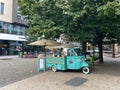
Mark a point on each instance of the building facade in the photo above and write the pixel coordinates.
(12, 28)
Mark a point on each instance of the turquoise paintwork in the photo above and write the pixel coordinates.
(74, 61)
(59, 62)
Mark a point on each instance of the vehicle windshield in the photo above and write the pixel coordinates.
(74, 52)
(78, 51)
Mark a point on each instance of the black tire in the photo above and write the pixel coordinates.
(54, 69)
(86, 70)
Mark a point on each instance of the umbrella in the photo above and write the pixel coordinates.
(44, 42)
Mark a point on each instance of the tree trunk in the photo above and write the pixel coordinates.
(84, 48)
(100, 52)
(113, 50)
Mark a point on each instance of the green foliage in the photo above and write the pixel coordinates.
(44, 17)
(93, 20)
(110, 16)
(79, 20)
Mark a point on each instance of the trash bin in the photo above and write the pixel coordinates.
(92, 59)
(21, 54)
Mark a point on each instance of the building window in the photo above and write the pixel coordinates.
(18, 16)
(1, 8)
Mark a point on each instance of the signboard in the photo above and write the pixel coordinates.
(41, 63)
(12, 37)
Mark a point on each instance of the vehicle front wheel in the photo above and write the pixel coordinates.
(86, 70)
(54, 69)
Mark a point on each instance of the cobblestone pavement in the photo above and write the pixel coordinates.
(104, 76)
(13, 69)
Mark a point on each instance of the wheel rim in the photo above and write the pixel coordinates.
(54, 69)
(85, 70)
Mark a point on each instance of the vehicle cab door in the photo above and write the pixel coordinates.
(70, 59)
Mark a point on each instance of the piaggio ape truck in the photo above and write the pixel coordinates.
(73, 60)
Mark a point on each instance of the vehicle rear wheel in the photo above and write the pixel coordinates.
(85, 70)
(54, 69)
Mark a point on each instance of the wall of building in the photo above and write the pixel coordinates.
(8, 9)
(12, 28)
(10, 12)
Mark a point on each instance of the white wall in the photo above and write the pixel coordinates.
(8, 6)
(12, 37)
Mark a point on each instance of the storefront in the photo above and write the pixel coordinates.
(9, 42)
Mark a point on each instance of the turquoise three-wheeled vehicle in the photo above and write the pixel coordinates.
(73, 59)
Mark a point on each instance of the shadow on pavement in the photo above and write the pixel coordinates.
(77, 81)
